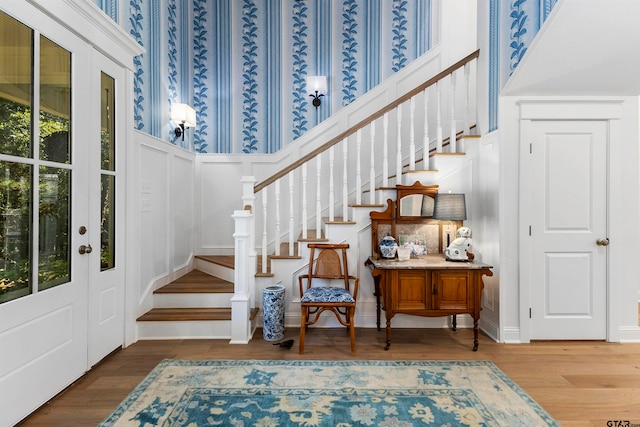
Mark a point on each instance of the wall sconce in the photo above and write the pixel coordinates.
(450, 207)
(316, 85)
(185, 116)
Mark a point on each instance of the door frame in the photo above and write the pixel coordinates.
(610, 111)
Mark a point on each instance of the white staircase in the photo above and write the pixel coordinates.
(293, 202)
(186, 309)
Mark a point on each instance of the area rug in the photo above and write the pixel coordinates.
(320, 393)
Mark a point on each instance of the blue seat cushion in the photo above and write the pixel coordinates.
(327, 294)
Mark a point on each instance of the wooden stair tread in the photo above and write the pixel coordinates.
(312, 236)
(336, 220)
(447, 154)
(284, 252)
(367, 205)
(223, 260)
(418, 171)
(185, 314)
(196, 281)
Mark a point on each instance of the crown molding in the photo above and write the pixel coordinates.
(90, 23)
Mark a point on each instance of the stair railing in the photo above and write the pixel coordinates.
(427, 106)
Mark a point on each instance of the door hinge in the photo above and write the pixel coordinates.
(530, 148)
(529, 230)
(529, 312)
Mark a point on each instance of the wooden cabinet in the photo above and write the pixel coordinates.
(431, 290)
(451, 290)
(428, 286)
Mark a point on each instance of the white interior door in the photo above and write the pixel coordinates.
(567, 265)
(43, 202)
(106, 210)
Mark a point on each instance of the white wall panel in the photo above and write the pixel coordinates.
(220, 194)
(182, 209)
(154, 215)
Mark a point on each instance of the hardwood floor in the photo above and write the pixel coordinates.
(580, 383)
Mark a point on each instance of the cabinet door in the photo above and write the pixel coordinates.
(412, 290)
(453, 290)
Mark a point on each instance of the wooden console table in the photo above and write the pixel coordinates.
(425, 285)
(428, 286)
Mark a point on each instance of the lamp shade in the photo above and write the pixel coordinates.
(450, 206)
(316, 84)
(183, 113)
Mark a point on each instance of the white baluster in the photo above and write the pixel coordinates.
(345, 189)
(399, 145)
(425, 140)
(438, 119)
(264, 231)
(452, 137)
(385, 150)
(467, 111)
(318, 198)
(412, 140)
(372, 169)
(331, 186)
(277, 241)
(358, 175)
(291, 226)
(304, 200)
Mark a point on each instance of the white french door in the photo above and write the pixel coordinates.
(61, 201)
(106, 210)
(43, 153)
(566, 188)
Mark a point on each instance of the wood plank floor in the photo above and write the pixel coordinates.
(580, 383)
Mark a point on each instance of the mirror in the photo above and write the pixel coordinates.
(415, 202)
(416, 205)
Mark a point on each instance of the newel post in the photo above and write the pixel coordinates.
(244, 266)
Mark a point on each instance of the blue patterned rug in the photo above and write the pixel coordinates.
(318, 393)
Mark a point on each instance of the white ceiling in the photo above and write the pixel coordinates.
(586, 47)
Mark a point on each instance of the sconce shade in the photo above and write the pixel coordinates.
(450, 206)
(183, 114)
(316, 84)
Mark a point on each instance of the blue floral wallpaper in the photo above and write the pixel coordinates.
(242, 64)
(246, 62)
(513, 26)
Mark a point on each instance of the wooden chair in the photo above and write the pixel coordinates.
(329, 267)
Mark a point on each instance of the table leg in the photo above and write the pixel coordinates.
(376, 281)
(388, 334)
(475, 334)
(454, 322)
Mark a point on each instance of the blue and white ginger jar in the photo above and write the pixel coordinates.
(388, 247)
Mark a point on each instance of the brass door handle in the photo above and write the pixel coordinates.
(602, 242)
(85, 249)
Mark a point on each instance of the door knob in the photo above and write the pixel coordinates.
(602, 242)
(85, 249)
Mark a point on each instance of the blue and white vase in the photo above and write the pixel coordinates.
(273, 313)
(388, 247)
